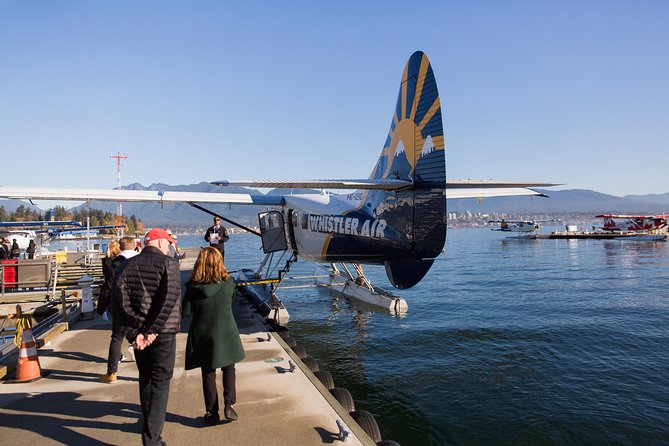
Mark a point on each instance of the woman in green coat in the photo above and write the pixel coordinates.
(213, 337)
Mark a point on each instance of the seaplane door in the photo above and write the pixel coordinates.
(272, 231)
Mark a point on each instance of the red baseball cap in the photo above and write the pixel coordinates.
(156, 234)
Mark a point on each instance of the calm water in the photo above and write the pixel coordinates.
(506, 342)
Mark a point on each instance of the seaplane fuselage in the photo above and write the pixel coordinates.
(319, 221)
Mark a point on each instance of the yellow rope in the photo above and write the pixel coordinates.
(22, 323)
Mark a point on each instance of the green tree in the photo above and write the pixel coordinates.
(60, 213)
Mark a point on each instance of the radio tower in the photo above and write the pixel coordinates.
(119, 205)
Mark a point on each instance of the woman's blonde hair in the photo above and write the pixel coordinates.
(209, 267)
(113, 248)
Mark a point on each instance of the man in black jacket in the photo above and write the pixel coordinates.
(217, 235)
(146, 299)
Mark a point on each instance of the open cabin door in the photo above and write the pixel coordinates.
(272, 231)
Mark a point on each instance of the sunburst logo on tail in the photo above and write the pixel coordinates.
(416, 128)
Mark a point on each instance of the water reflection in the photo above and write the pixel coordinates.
(627, 253)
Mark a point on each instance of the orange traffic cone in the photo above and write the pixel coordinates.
(27, 368)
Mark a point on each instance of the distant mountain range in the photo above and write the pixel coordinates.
(562, 201)
(651, 198)
(567, 201)
(11, 205)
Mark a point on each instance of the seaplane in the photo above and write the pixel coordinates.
(526, 229)
(43, 230)
(396, 217)
(645, 223)
(636, 227)
(24, 231)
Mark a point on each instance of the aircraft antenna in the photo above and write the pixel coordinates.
(119, 205)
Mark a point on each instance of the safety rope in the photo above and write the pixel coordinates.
(22, 322)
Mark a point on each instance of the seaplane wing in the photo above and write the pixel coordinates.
(491, 188)
(367, 184)
(527, 222)
(397, 217)
(39, 223)
(56, 231)
(149, 196)
(454, 189)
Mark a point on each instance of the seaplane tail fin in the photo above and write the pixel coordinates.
(414, 152)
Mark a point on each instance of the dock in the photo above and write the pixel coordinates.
(276, 406)
(630, 235)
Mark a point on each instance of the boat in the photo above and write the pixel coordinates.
(82, 234)
(22, 237)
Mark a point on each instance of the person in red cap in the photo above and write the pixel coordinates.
(146, 299)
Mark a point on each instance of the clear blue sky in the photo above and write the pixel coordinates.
(571, 91)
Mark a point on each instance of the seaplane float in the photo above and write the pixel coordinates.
(396, 217)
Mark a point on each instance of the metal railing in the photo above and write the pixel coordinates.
(28, 274)
(7, 347)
